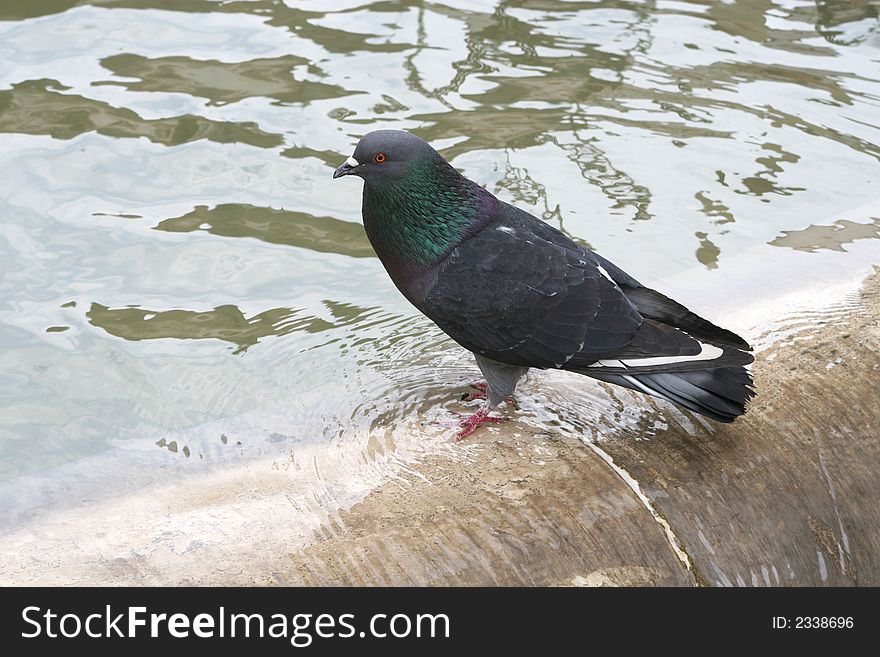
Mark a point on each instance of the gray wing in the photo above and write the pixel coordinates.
(517, 293)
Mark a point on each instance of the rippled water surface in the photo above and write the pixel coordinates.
(183, 285)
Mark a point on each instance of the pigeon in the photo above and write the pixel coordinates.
(520, 294)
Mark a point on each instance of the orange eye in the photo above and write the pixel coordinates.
(379, 158)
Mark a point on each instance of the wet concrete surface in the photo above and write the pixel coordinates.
(527, 509)
(786, 495)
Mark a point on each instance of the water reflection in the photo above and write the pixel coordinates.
(322, 234)
(41, 107)
(707, 252)
(220, 82)
(847, 22)
(595, 167)
(831, 237)
(226, 323)
(13, 11)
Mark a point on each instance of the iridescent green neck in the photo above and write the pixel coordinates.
(415, 220)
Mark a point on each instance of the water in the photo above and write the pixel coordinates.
(183, 288)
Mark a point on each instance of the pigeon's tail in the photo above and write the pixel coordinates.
(703, 369)
(720, 393)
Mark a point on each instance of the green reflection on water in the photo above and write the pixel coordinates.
(225, 323)
(831, 237)
(38, 107)
(220, 82)
(12, 10)
(847, 22)
(486, 127)
(707, 253)
(330, 158)
(323, 234)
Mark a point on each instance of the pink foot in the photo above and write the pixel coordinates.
(480, 393)
(471, 396)
(470, 423)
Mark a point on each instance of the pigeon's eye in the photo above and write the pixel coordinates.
(379, 158)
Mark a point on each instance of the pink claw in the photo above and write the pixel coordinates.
(470, 423)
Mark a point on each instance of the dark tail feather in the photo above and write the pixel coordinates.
(720, 393)
(661, 308)
(657, 306)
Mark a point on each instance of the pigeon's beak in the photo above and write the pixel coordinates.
(347, 167)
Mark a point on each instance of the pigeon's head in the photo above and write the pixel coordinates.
(386, 155)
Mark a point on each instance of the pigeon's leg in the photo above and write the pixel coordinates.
(501, 380)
